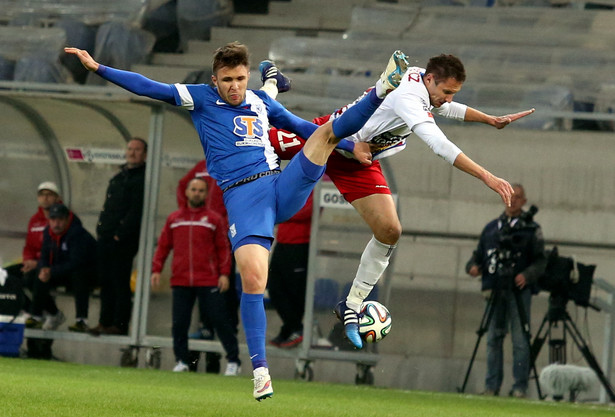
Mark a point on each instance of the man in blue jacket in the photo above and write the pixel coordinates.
(67, 258)
(510, 258)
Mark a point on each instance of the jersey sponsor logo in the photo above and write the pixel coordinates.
(386, 140)
(250, 128)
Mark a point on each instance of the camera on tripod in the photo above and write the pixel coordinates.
(513, 238)
(566, 279)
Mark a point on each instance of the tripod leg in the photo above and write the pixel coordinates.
(589, 357)
(484, 326)
(539, 340)
(525, 325)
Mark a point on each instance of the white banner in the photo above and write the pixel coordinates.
(330, 197)
(117, 157)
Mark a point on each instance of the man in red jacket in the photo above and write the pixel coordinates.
(200, 270)
(48, 194)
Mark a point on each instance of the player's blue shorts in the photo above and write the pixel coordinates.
(256, 207)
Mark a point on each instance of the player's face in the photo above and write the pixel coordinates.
(196, 193)
(232, 83)
(135, 153)
(46, 198)
(58, 225)
(441, 92)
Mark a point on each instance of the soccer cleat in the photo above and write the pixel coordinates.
(262, 384)
(277, 341)
(80, 326)
(397, 66)
(269, 71)
(53, 322)
(33, 323)
(292, 341)
(350, 318)
(181, 367)
(232, 369)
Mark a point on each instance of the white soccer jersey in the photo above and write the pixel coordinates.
(402, 110)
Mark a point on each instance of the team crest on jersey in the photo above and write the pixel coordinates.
(250, 128)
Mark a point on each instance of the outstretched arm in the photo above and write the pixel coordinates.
(131, 81)
(499, 122)
(499, 185)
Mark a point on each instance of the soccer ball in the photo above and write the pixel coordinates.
(374, 321)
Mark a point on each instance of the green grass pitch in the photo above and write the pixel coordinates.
(49, 388)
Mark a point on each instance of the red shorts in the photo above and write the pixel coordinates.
(355, 180)
(351, 178)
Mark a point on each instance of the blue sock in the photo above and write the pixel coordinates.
(355, 117)
(312, 170)
(254, 325)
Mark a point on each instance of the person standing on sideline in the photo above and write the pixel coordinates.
(200, 271)
(232, 124)
(118, 230)
(288, 275)
(528, 262)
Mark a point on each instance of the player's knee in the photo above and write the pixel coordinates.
(327, 132)
(389, 234)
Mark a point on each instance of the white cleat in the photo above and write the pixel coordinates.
(232, 369)
(181, 367)
(262, 384)
(397, 66)
(53, 322)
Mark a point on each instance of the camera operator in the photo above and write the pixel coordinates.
(510, 257)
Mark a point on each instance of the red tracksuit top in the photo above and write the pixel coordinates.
(34, 238)
(201, 250)
(297, 229)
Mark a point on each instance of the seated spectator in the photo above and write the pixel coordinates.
(68, 256)
(47, 195)
(200, 270)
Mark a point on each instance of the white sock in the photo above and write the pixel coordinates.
(380, 90)
(374, 261)
(271, 88)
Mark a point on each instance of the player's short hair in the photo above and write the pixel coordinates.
(230, 55)
(446, 66)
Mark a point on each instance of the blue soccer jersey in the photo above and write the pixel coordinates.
(235, 138)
